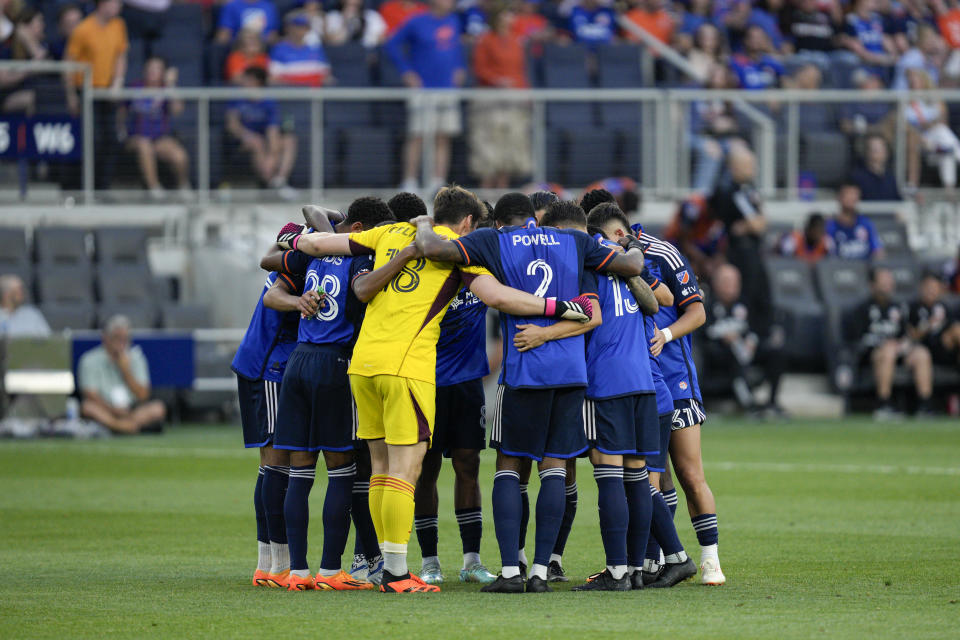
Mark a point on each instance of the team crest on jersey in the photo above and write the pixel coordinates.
(683, 278)
(683, 385)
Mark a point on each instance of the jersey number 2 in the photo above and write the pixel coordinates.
(541, 265)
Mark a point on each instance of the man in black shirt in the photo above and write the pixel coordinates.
(875, 177)
(732, 345)
(812, 32)
(933, 324)
(878, 329)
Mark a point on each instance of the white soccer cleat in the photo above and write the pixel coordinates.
(710, 573)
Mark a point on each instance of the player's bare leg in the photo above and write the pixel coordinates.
(921, 364)
(884, 360)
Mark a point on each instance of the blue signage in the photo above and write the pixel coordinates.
(40, 138)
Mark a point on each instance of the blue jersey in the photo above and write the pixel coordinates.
(258, 15)
(593, 27)
(548, 263)
(339, 319)
(270, 338)
(664, 397)
(857, 242)
(757, 74)
(617, 350)
(256, 115)
(673, 270)
(462, 347)
(868, 31)
(430, 46)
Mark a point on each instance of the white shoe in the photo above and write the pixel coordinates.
(710, 573)
(286, 192)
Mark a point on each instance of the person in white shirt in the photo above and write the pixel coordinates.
(18, 319)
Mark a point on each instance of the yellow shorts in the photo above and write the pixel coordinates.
(399, 410)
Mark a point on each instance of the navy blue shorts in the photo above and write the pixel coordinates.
(461, 420)
(538, 423)
(316, 407)
(687, 413)
(627, 425)
(258, 410)
(659, 461)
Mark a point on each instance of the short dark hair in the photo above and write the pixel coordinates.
(514, 208)
(814, 219)
(257, 73)
(930, 273)
(542, 199)
(592, 198)
(489, 208)
(847, 183)
(604, 212)
(452, 204)
(406, 206)
(564, 211)
(369, 212)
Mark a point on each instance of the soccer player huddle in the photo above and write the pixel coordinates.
(368, 344)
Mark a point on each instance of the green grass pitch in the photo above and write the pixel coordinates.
(840, 529)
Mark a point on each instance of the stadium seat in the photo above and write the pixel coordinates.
(184, 316)
(299, 115)
(816, 117)
(61, 246)
(14, 243)
(906, 273)
(370, 158)
(349, 64)
(893, 234)
(187, 19)
(65, 284)
(389, 114)
(120, 245)
(826, 155)
(619, 66)
(588, 156)
(140, 316)
(164, 288)
(797, 306)
(565, 67)
(136, 56)
(124, 284)
(842, 284)
(183, 51)
(75, 316)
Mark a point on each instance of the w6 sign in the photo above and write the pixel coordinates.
(40, 138)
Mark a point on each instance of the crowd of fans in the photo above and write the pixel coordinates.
(802, 44)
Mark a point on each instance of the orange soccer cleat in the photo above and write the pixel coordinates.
(278, 580)
(411, 584)
(342, 581)
(296, 583)
(260, 578)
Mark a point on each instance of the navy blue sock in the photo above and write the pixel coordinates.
(262, 535)
(636, 485)
(274, 491)
(471, 528)
(612, 505)
(428, 534)
(706, 527)
(336, 514)
(296, 512)
(365, 542)
(506, 515)
(550, 508)
(524, 514)
(569, 513)
(670, 497)
(663, 528)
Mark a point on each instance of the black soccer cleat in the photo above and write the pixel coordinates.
(636, 580)
(605, 581)
(504, 585)
(649, 577)
(555, 573)
(536, 584)
(674, 574)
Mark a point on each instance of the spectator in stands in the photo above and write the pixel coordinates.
(707, 51)
(714, 131)
(948, 21)
(529, 24)
(146, 19)
(255, 124)
(689, 20)
(426, 51)
(809, 244)
(114, 381)
(592, 24)
(867, 118)
(100, 40)
(756, 67)
(248, 51)
(258, 15)
(864, 36)
(875, 176)
(732, 344)
(928, 55)
(313, 9)
(737, 204)
(933, 324)
(351, 22)
(476, 18)
(811, 31)
(292, 60)
(652, 16)
(877, 331)
(17, 91)
(68, 17)
(17, 318)
(500, 132)
(808, 78)
(930, 134)
(395, 13)
(735, 17)
(148, 133)
(854, 236)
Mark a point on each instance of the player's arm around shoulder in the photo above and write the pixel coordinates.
(432, 245)
(281, 296)
(531, 336)
(367, 285)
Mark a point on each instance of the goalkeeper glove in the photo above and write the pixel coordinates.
(630, 242)
(287, 238)
(579, 309)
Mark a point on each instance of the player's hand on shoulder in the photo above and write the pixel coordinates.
(412, 251)
(630, 242)
(528, 336)
(422, 220)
